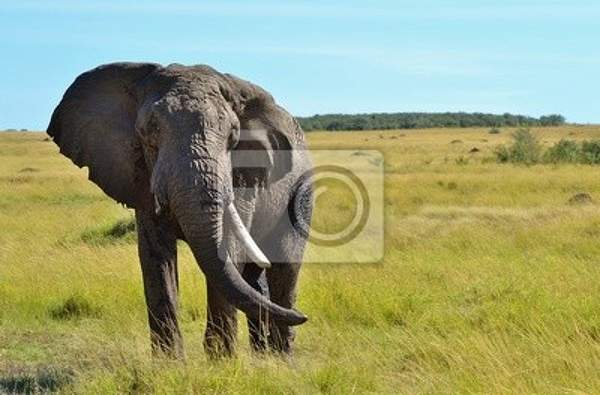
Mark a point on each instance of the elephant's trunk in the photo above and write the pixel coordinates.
(201, 220)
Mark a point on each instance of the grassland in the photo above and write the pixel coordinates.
(490, 282)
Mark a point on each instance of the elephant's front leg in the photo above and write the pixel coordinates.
(158, 254)
(221, 326)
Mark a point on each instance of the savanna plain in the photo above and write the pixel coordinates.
(490, 281)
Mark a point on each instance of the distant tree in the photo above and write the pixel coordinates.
(552, 120)
(423, 120)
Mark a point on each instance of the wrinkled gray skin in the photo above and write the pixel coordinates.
(161, 140)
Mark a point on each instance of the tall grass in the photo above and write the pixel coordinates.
(490, 282)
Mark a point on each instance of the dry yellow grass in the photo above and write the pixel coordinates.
(490, 282)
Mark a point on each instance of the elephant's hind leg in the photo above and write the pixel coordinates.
(157, 249)
(286, 249)
(282, 279)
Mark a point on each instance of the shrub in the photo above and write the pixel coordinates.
(41, 380)
(525, 149)
(565, 151)
(590, 152)
(122, 231)
(494, 131)
(74, 307)
(502, 154)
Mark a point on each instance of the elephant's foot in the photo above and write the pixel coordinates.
(259, 334)
(168, 345)
(219, 344)
(281, 339)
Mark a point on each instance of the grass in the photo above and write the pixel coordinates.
(490, 281)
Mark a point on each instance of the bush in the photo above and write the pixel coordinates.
(525, 149)
(565, 151)
(590, 152)
(494, 131)
(74, 307)
(502, 154)
(122, 231)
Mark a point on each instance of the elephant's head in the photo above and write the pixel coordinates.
(163, 138)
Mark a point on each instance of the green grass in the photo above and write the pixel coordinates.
(490, 281)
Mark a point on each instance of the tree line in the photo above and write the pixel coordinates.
(422, 120)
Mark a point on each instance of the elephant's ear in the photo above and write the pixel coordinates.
(262, 156)
(265, 128)
(94, 125)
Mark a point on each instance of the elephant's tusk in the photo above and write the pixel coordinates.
(252, 250)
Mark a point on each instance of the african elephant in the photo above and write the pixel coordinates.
(173, 143)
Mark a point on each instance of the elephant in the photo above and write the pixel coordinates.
(210, 159)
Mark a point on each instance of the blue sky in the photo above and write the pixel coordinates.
(530, 57)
